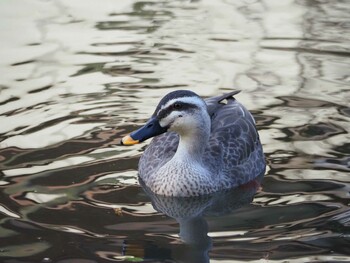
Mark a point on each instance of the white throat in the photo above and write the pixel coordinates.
(193, 141)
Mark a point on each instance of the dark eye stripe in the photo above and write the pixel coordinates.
(163, 113)
(175, 95)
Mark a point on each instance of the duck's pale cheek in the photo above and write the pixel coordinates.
(169, 120)
(163, 123)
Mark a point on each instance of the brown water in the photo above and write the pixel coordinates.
(78, 75)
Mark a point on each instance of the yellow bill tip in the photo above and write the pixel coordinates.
(127, 140)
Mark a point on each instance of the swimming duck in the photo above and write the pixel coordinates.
(199, 146)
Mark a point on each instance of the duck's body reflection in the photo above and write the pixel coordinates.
(190, 213)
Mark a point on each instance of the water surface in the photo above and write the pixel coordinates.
(78, 75)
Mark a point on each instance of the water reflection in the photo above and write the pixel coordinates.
(190, 213)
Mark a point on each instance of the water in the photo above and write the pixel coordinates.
(78, 75)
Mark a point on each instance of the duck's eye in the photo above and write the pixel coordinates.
(177, 106)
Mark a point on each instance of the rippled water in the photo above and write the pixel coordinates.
(78, 75)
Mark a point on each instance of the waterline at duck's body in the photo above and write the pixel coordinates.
(210, 146)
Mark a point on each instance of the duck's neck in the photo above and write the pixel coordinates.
(193, 143)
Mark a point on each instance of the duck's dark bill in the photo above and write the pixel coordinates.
(150, 129)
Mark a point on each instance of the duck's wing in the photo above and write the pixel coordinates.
(234, 140)
(161, 149)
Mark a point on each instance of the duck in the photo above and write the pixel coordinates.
(199, 146)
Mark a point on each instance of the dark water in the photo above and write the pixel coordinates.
(78, 75)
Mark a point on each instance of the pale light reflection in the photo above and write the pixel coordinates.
(301, 174)
(7, 212)
(292, 199)
(51, 135)
(70, 229)
(42, 198)
(145, 209)
(127, 177)
(227, 233)
(124, 177)
(297, 260)
(51, 166)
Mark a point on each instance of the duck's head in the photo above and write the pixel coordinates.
(182, 111)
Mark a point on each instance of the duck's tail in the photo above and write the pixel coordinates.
(214, 103)
(227, 96)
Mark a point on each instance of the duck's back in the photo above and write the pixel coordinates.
(234, 142)
(234, 151)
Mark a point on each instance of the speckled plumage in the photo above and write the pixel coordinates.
(232, 156)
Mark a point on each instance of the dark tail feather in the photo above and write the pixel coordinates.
(227, 96)
(214, 103)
